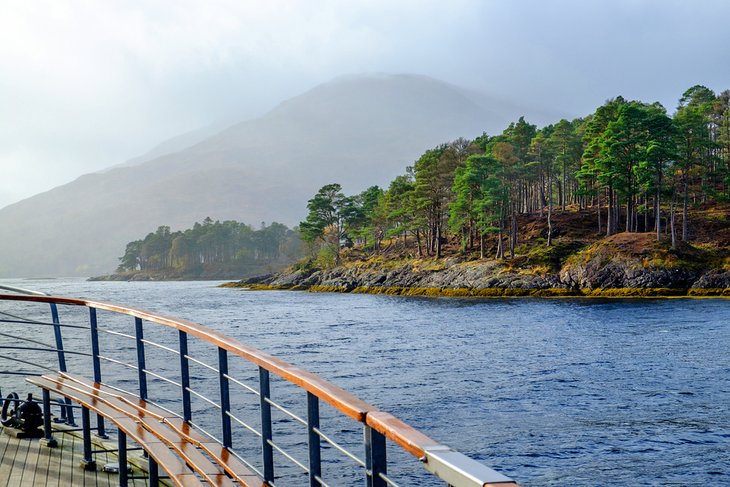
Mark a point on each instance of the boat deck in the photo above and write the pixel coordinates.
(150, 384)
(26, 463)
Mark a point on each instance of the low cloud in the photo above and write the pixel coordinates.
(89, 84)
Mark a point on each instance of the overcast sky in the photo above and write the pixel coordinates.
(85, 85)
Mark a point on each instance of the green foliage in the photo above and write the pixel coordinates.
(228, 244)
(553, 257)
(326, 209)
(396, 209)
(335, 219)
(628, 161)
(306, 265)
(470, 183)
(326, 258)
(366, 221)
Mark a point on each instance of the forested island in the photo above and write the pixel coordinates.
(208, 250)
(625, 201)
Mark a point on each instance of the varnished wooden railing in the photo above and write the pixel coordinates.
(451, 466)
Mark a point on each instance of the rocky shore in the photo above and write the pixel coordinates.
(613, 267)
(206, 274)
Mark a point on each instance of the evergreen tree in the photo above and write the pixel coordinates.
(695, 144)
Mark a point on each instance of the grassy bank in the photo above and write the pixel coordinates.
(500, 292)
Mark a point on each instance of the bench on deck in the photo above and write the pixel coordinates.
(186, 456)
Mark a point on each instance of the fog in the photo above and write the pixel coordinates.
(88, 85)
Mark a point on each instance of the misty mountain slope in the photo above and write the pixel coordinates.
(172, 145)
(357, 131)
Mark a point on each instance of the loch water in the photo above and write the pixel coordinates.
(580, 392)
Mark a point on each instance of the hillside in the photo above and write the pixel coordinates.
(580, 262)
(541, 201)
(352, 130)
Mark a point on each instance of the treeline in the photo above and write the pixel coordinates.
(228, 244)
(638, 168)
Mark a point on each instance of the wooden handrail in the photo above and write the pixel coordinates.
(337, 397)
(411, 440)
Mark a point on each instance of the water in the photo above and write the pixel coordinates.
(549, 392)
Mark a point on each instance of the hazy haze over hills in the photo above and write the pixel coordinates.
(88, 85)
(355, 130)
(175, 144)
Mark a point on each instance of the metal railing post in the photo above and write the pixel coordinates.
(61, 354)
(225, 397)
(448, 465)
(48, 439)
(87, 462)
(154, 471)
(58, 337)
(266, 433)
(96, 361)
(185, 376)
(375, 459)
(315, 461)
(141, 365)
(122, 455)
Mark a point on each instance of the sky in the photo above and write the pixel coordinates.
(85, 85)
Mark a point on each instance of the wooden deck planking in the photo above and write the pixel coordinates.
(25, 463)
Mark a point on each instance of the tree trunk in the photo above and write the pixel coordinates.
(685, 204)
(550, 211)
(471, 234)
(513, 239)
(500, 250)
(432, 239)
(560, 192)
(672, 222)
(500, 246)
(598, 205)
(565, 184)
(610, 215)
(657, 216)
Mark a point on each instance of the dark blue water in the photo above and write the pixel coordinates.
(549, 392)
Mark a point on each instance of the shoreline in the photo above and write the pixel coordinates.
(662, 293)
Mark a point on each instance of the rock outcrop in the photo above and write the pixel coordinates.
(714, 279)
(624, 264)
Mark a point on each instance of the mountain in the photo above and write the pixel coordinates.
(355, 130)
(172, 145)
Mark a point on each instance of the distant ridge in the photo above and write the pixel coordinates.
(355, 130)
(172, 145)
